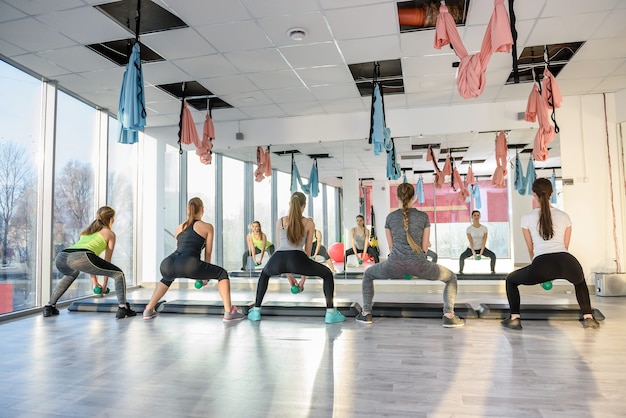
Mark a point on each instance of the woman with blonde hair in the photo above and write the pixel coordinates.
(191, 237)
(405, 228)
(293, 232)
(257, 243)
(547, 233)
(84, 256)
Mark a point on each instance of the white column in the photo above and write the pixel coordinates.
(350, 202)
(381, 200)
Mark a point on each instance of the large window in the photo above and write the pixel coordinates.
(234, 232)
(121, 196)
(201, 183)
(20, 115)
(75, 194)
(263, 205)
(283, 193)
(172, 215)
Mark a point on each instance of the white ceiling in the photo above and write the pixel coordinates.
(240, 51)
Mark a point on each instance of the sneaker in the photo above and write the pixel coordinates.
(149, 313)
(125, 311)
(588, 323)
(364, 318)
(454, 322)
(254, 314)
(334, 316)
(50, 310)
(233, 315)
(512, 323)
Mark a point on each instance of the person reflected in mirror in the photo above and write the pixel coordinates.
(360, 239)
(547, 232)
(405, 228)
(191, 237)
(294, 238)
(477, 238)
(84, 256)
(317, 250)
(258, 245)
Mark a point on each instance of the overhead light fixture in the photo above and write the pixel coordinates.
(297, 34)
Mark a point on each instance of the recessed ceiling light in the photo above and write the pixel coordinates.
(297, 34)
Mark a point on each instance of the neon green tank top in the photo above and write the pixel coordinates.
(258, 243)
(94, 242)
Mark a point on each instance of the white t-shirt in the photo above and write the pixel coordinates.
(560, 222)
(477, 234)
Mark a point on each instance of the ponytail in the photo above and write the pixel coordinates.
(103, 220)
(295, 229)
(194, 207)
(405, 194)
(543, 189)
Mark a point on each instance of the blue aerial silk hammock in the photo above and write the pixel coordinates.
(394, 171)
(419, 191)
(131, 113)
(475, 190)
(377, 137)
(312, 187)
(530, 176)
(520, 181)
(553, 181)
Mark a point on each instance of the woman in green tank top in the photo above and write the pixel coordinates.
(84, 257)
(257, 244)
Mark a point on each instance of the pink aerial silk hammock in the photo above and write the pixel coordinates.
(471, 78)
(499, 175)
(204, 147)
(263, 163)
(439, 176)
(189, 134)
(536, 109)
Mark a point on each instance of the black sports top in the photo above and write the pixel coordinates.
(189, 242)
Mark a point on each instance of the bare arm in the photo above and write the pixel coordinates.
(309, 230)
(568, 235)
(278, 225)
(352, 232)
(529, 242)
(208, 248)
(263, 245)
(389, 238)
(110, 237)
(426, 239)
(318, 236)
(471, 243)
(367, 242)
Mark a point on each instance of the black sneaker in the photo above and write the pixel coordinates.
(454, 322)
(590, 323)
(50, 310)
(512, 323)
(366, 319)
(125, 311)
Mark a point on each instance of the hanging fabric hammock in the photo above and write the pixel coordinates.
(187, 133)
(312, 187)
(204, 147)
(131, 113)
(380, 135)
(476, 196)
(499, 175)
(551, 94)
(536, 110)
(263, 164)
(419, 191)
(394, 171)
(471, 78)
(440, 178)
(469, 179)
(520, 181)
(530, 176)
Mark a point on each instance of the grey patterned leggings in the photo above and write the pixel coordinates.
(396, 268)
(72, 262)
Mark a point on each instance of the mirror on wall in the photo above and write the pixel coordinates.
(449, 214)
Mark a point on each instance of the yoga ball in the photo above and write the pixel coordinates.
(336, 252)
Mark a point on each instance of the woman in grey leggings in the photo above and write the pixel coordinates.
(404, 228)
(84, 257)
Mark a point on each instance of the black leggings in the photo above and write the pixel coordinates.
(244, 259)
(548, 267)
(189, 267)
(295, 261)
(370, 250)
(468, 253)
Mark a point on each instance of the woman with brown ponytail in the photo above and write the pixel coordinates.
(84, 256)
(293, 232)
(191, 237)
(547, 233)
(405, 228)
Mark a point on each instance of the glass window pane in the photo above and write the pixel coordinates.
(283, 193)
(76, 162)
(234, 224)
(20, 121)
(332, 215)
(172, 197)
(201, 183)
(263, 205)
(122, 196)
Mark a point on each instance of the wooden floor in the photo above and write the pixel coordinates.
(91, 365)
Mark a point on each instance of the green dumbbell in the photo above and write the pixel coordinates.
(546, 285)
